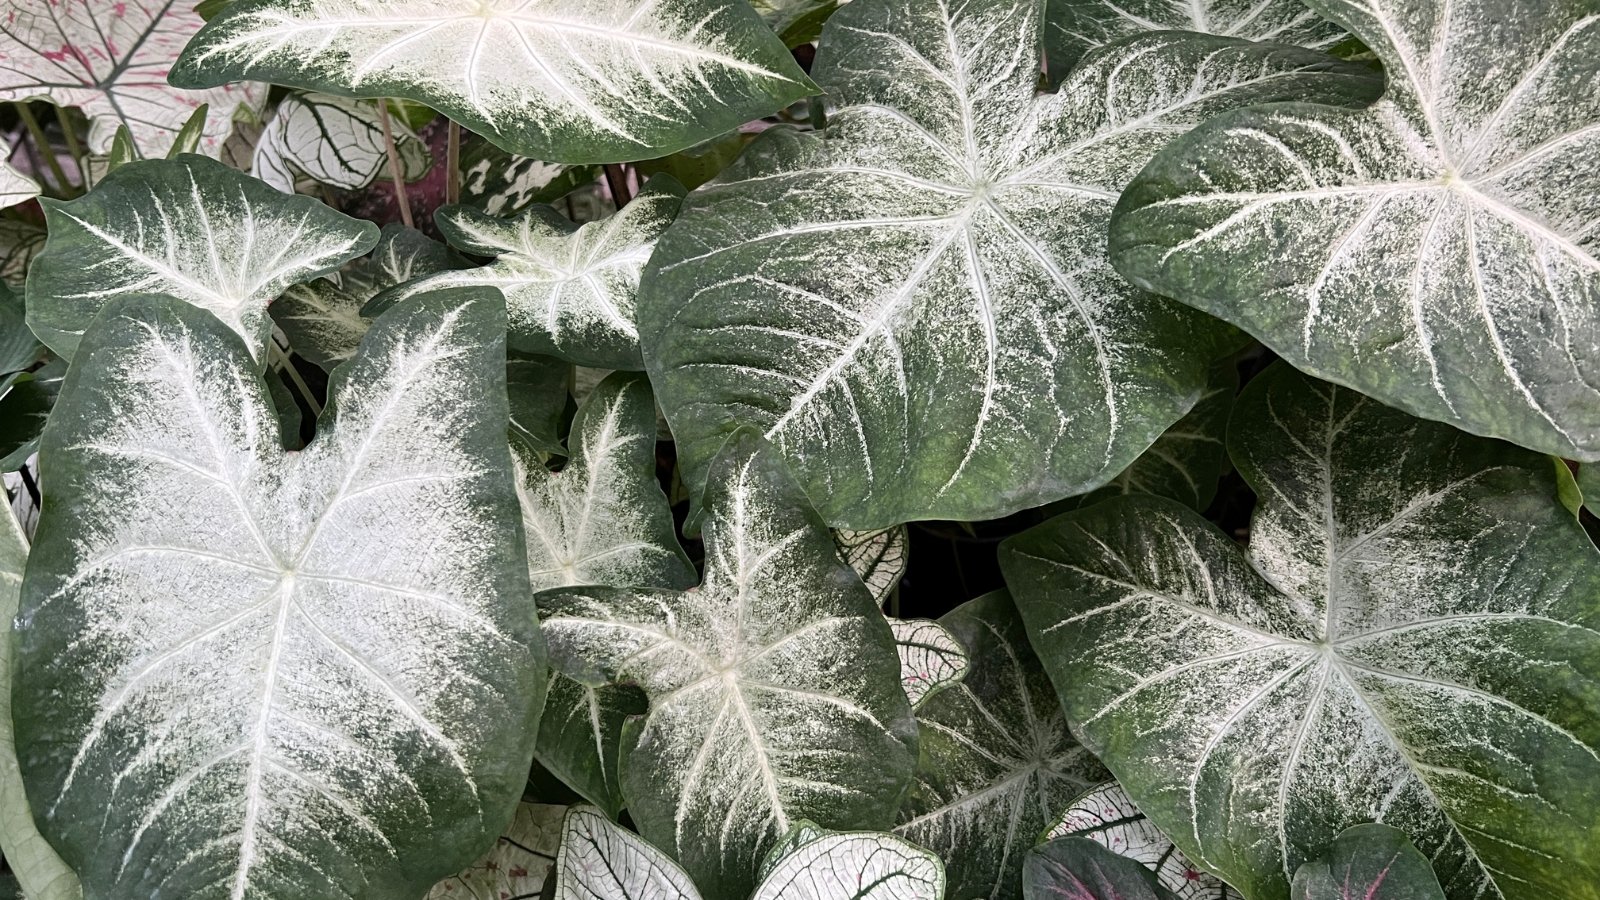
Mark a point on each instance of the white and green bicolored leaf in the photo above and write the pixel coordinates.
(1412, 638)
(601, 860)
(880, 557)
(571, 291)
(245, 673)
(502, 184)
(15, 187)
(332, 140)
(997, 762)
(191, 228)
(931, 659)
(774, 687)
(1106, 815)
(1370, 862)
(917, 306)
(518, 864)
(577, 81)
(1439, 251)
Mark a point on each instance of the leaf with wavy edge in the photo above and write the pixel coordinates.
(997, 762)
(879, 557)
(917, 307)
(1080, 869)
(1440, 251)
(244, 673)
(931, 659)
(15, 187)
(774, 686)
(518, 864)
(332, 140)
(1368, 862)
(1109, 817)
(190, 227)
(581, 81)
(110, 58)
(1413, 638)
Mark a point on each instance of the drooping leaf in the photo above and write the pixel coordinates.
(997, 763)
(917, 307)
(1080, 869)
(501, 184)
(570, 290)
(796, 21)
(190, 227)
(1413, 638)
(1368, 862)
(581, 81)
(931, 659)
(519, 863)
(336, 141)
(600, 860)
(860, 865)
(244, 673)
(15, 187)
(1107, 815)
(880, 557)
(774, 687)
(110, 58)
(1437, 251)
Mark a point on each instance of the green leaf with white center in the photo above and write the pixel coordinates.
(1372, 862)
(571, 291)
(861, 865)
(404, 254)
(500, 184)
(917, 307)
(600, 860)
(243, 673)
(110, 58)
(580, 737)
(774, 687)
(880, 557)
(931, 659)
(15, 187)
(191, 228)
(579, 81)
(1108, 816)
(1413, 638)
(332, 140)
(518, 864)
(1439, 251)
(997, 762)
(1080, 869)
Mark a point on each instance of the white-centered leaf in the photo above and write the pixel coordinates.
(861, 865)
(917, 306)
(332, 140)
(600, 860)
(582, 81)
(518, 864)
(997, 763)
(1108, 816)
(774, 686)
(243, 673)
(1439, 251)
(15, 187)
(1072, 28)
(1413, 638)
(880, 557)
(931, 659)
(191, 228)
(571, 291)
(110, 58)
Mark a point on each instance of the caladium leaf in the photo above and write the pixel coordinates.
(854, 866)
(1437, 251)
(931, 659)
(190, 227)
(26, 399)
(519, 863)
(879, 557)
(580, 737)
(774, 687)
(600, 860)
(405, 253)
(1368, 862)
(20, 242)
(1080, 869)
(997, 763)
(15, 187)
(537, 388)
(244, 673)
(498, 183)
(332, 140)
(1108, 816)
(917, 307)
(796, 21)
(581, 81)
(1072, 28)
(110, 59)
(571, 290)
(18, 347)
(1413, 638)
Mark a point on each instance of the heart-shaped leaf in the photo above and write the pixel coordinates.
(332, 140)
(1108, 816)
(519, 863)
(15, 187)
(878, 557)
(1080, 869)
(860, 865)
(917, 307)
(1438, 251)
(581, 81)
(1368, 862)
(600, 860)
(189, 227)
(244, 673)
(1414, 638)
(997, 763)
(1072, 28)
(931, 659)
(774, 687)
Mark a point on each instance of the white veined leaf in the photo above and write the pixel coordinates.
(110, 59)
(1108, 816)
(580, 81)
(800, 833)
(191, 228)
(1413, 638)
(880, 557)
(1080, 869)
(600, 860)
(245, 673)
(774, 686)
(518, 864)
(571, 290)
(503, 184)
(335, 141)
(580, 737)
(931, 659)
(917, 306)
(1439, 251)
(15, 187)
(861, 865)
(997, 761)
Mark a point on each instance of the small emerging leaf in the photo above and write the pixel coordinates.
(188, 137)
(1108, 816)
(931, 659)
(880, 557)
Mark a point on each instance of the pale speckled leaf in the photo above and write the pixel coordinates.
(243, 673)
(1080, 869)
(880, 557)
(571, 290)
(855, 866)
(580, 737)
(110, 58)
(583, 81)
(1108, 816)
(600, 860)
(15, 187)
(774, 686)
(503, 184)
(917, 307)
(1413, 638)
(997, 763)
(332, 140)
(1440, 251)
(931, 659)
(189, 227)
(518, 864)
(1368, 862)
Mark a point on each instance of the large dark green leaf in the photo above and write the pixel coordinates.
(1368, 862)
(1079, 869)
